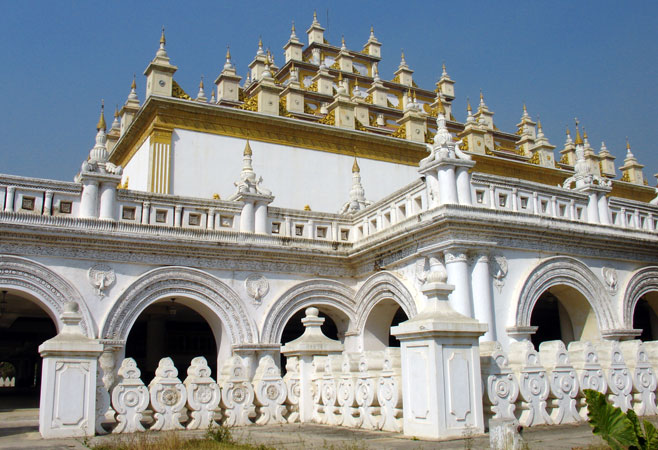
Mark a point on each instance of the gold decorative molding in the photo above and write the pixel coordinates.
(178, 92)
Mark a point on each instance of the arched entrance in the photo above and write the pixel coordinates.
(170, 328)
(645, 316)
(377, 331)
(24, 325)
(563, 313)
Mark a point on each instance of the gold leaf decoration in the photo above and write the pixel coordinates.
(401, 132)
(534, 159)
(178, 92)
(329, 119)
(250, 104)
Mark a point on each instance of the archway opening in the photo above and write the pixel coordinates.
(334, 327)
(385, 314)
(645, 317)
(24, 325)
(563, 313)
(172, 328)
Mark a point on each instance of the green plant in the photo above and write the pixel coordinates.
(619, 430)
(220, 433)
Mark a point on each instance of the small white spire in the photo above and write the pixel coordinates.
(133, 90)
(99, 154)
(116, 124)
(260, 50)
(342, 44)
(315, 18)
(201, 96)
(375, 69)
(357, 200)
(629, 154)
(444, 73)
(213, 100)
(293, 35)
(228, 65)
(163, 41)
(403, 62)
(372, 34)
(569, 141)
(469, 112)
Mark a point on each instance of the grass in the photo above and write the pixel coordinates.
(216, 438)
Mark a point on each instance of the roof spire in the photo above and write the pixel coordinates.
(372, 32)
(628, 148)
(579, 140)
(201, 96)
(116, 124)
(444, 72)
(247, 149)
(133, 90)
(342, 43)
(315, 18)
(355, 166)
(228, 65)
(293, 34)
(163, 41)
(101, 121)
(260, 46)
(403, 62)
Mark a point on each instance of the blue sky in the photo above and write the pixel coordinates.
(595, 60)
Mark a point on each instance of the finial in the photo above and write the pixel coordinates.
(628, 144)
(315, 18)
(247, 149)
(342, 43)
(584, 134)
(260, 46)
(116, 111)
(444, 72)
(525, 110)
(403, 62)
(101, 121)
(468, 106)
(163, 40)
(568, 132)
(372, 32)
(116, 124)
(228, 53)
(579, 140)
(481, 97)
(201, 83)
(355, 166)
(133, 85)
(133, 90)
(539, 124)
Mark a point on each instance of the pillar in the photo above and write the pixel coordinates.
(441, 384)
(482, 296)
(178, 216)
(311, 343)
(604, 212)
(447, 185)
(457, 268)
(593, 208)
(9, 202)
(247, 218)
(464, 186)
(68, 380)
(146, 213)
(260, 216)
(108, 193)
(89, 200)
(432, 182)
(210, 224)
(48, 203)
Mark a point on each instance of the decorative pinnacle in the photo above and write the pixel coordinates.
(342, 43)
(247, 149)
(201, 83)
(355, 166)
(260, 46)
(444, 72)
(315, 17)
(568, 132)
(163, 40)
(101, 121)
(133, 85)
(579, 140)
(372, 32)
(628, 144)
(468, 106)
(116, 111)
(525, 110)
(228, 53)
(403, 62)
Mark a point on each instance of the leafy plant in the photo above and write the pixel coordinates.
(619, 430)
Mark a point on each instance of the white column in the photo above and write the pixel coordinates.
(457, 268)
(515, 199)
(210, 224)
(261, 218)
(482, 296)
(464, 186)
(447, 185)
(108, 200)
(604, 212)
(593, 208)
(535, 203)
(432, 187)
(247, 218)
(492, 197)
(146, 213)
(89, 200)
(178, 216)
(48, 204)
(9, 202)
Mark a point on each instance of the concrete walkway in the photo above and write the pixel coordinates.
(19, 429)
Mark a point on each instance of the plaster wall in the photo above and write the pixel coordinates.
(137, 169)
(204, 164)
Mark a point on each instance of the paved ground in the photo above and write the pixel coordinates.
(19, 430)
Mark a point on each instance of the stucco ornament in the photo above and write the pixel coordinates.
(101, 276)
(168, 397)
(270, 392)
(498, 269)
(257, 286)
(237, 394)
(610, 278)
(203, 394)
(130, 398)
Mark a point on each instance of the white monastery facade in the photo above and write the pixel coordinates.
(319, 198)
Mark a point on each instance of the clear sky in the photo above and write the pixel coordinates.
(595, 60)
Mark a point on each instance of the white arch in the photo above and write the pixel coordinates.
(563, 270)
(50, 290)
(643, 281)
(315, 292)
(381, 286)
(212, 294)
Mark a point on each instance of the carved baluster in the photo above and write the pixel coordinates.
(203, 394)
(130, 398)
(291, 379)
(620, 381)
(346, 391)
(533, 384)
(370, 363)
(585, 361)
(563, 381)
(168, 397)
(237, 394)
(502, 389)
(389, 391)
(316, 387)
(644, 378)
(270, 392)
(328, 390)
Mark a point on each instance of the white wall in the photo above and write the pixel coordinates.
(204, 164)
(137, 169)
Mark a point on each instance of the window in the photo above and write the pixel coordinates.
(502, 200)
(194, 220)
(160, 215)
(563, 210)
(28, 203)
(321, 232)
(128, 213)
(479, 196)
(65, 207)
(524, 202)
(299, 230)
(226, 221)
(276, 227)
(544, 206)
(344, 234)
(402, 211)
